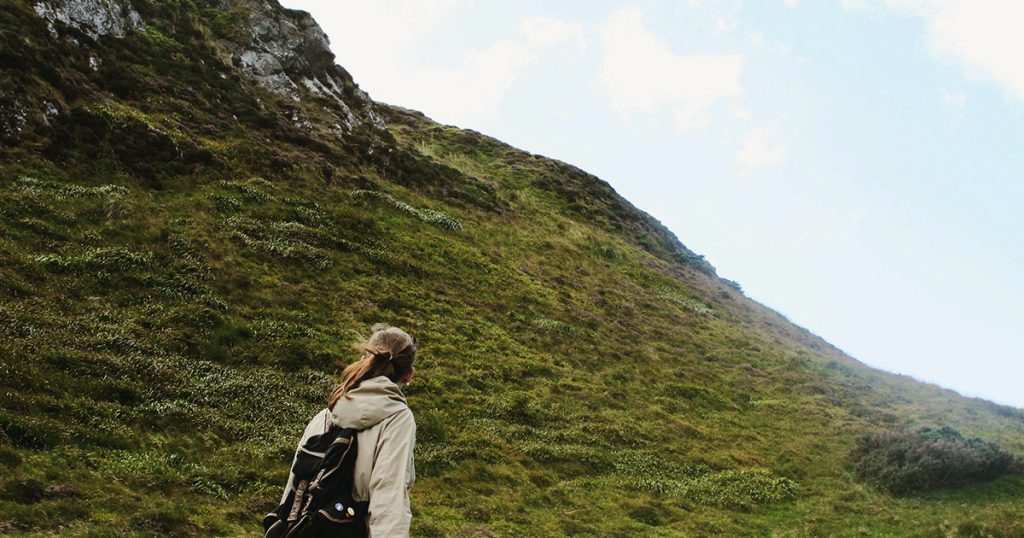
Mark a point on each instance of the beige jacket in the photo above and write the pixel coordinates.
(384, 464)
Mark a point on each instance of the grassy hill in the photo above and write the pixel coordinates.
(200, 212)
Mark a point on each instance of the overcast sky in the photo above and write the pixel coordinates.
(857, 165)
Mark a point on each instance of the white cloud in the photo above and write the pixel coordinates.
(640, 73)
(792, 3)
(471, 93)
(858, 5)
(356, 28)
(955, 99)
(381, 44)
(724, 25)
(982, 35)
(740, 113)
(759, 150)
(545, 31)
(757, 40)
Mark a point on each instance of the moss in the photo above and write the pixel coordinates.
(225, 24)
(160, 40)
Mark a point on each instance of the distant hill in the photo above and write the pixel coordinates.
(199, 214)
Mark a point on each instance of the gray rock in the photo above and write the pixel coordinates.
(286, 52)
(96, 18)
(12, 119)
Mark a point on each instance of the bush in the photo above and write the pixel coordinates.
(9, 457)
(903, 462)
(22, 489)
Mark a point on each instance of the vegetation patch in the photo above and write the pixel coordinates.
(64, 191)
(735, 489)
(699, 396)
(118, 114)
(903, 462)
(553, 325)
(688, 302)
(99, 258)
(429, 216)
(284, 239)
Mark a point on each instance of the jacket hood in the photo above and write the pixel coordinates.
(374, 400)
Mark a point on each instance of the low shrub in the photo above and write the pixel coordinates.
(164, 521)
(904, 462)
(30, 431)
(22, 489)
(732, 284)
(9, 457)
(646, 514)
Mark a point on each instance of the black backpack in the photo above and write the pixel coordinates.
(320, 500)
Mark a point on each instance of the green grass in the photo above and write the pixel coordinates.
(180, 285)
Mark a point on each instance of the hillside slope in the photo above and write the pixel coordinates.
(200, 211)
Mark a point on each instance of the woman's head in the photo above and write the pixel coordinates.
(389, 352)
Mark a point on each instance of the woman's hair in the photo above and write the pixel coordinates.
(389, 351)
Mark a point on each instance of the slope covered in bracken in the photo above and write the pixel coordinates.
(200, 212)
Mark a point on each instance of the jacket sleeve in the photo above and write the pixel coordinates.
(391, 478)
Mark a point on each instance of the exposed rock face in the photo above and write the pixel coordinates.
(13, 116)
(286, 52)
(95, 18)
(282, 50)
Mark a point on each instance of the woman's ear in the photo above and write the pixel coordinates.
(408, 376)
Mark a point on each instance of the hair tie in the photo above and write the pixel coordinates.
(386, 353)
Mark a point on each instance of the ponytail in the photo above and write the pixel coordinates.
(388, 352)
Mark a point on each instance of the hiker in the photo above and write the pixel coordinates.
(369, 399)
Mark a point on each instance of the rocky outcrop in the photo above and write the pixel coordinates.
(286, 51)
(96, 18)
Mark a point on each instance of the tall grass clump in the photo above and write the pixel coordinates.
(737, 489)
(429, 216)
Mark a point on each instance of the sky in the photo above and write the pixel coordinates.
(857, 165)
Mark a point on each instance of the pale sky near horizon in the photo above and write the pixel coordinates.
(858, 165)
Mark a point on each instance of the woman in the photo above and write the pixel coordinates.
(370, 399)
